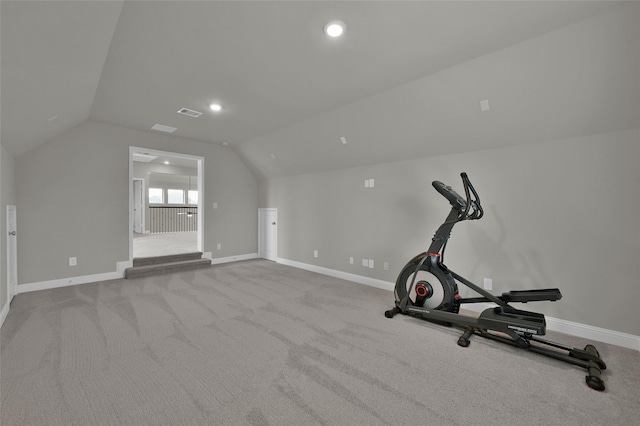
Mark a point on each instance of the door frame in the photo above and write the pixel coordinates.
(12, 254)
(142, 195)
(200, 164)
(261, 216)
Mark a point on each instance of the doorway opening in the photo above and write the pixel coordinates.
(165, 203)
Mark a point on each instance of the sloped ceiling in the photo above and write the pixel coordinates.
(135, 63)
(52, 54)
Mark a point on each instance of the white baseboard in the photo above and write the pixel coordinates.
(64, 282)
(236, 258)
(4, 312)
(385, 285)
(553, 324)
(577, 329)
(84, 279)
(119, 273)
(121, 266)
(594, 333)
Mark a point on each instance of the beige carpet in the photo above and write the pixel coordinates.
(258, 343)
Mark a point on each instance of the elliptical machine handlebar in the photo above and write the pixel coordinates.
(462, 205)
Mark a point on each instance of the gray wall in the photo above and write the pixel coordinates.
(7, 197)
(558, 214)
(73, 200)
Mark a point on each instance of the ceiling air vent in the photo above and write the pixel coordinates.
(189, 112)
(163, 128)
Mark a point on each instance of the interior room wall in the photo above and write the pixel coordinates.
(555, 161)
(7, 197)
(560, 214)
(73, 200)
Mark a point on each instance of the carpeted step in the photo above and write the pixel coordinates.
(165, 268)
(155, 260)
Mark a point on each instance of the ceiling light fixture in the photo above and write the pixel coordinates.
(167, 163)
(215, 107)
(334, 28)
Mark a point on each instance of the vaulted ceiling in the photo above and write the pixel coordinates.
(136, 63)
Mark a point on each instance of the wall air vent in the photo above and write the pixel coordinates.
(189, 112)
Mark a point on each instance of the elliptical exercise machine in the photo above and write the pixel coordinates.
(427, 289)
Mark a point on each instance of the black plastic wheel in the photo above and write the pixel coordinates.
(392, 312)
(463, 342)
(441, 293)
(594, 378)
(595, 383)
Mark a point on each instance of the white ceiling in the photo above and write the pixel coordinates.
(135, 63)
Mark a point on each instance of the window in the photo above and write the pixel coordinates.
(193, 197)
(175, 196)
(156, 196)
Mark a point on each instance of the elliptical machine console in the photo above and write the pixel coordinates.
(427, 289)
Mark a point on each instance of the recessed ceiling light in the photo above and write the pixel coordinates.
(334, 28)
(167, 163)
(215, 107)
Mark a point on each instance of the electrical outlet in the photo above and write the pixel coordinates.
(315, 253)
(215, 205)
(219, 246)
(73, 261)
(351, 260)
(386, 266)
(488, 284)
(365, 263)
(371, 263)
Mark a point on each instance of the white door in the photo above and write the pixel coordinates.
(12, 253)
(138, 206)
(268, 234)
